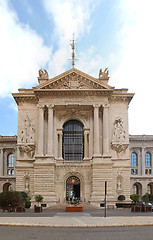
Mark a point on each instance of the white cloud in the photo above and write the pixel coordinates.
(135, 68)
(69, 17)
(22, 52)
(90, 62)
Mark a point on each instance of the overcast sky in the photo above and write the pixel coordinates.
(117, 34)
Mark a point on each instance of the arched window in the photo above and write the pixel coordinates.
(147, 159)
(73, 141)
(10, 164)
(10, 160)
(134, 159)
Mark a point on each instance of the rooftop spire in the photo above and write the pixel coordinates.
(72, 44)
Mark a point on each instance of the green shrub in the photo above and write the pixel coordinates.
(135, 197)
(10, 199)
(124, 205)
(38, 198)
(121, 197)
(147, 198)
(28, 202)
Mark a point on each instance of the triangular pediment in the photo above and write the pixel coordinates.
(73, 79)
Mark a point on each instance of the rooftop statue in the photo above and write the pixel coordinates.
(103, 75)
(43, 74)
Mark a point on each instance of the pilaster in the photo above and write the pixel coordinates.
(50, 130)
(143, 161)
(41, 130)
(1, 162)
(86, 143)
(105, 130)
(60, 136)
(96, 131)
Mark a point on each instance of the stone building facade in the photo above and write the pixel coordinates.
(72, 138)
(8, 146)
(141, 150)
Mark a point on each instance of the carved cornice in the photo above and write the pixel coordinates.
(72, 92)
(7, 139)
(121, 98)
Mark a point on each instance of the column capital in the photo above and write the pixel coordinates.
(86, 131)
(41, 106)
(60, 131)
(50, 106)
(106, 106)
(96, 106)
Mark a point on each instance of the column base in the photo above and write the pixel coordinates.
(97, 155)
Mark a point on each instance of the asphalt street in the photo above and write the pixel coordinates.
(93, 213)
(105, 233)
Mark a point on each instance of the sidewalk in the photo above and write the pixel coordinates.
(76, 220)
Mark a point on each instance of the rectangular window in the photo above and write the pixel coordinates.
(136, 171)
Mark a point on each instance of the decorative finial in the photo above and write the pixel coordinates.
(72, 44)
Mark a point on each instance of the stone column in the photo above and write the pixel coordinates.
(41, 131)
(143, 161)
(50, 130)
(96, 130)
(139, 155)
(105, 130)
(60, 135)
(1, 162)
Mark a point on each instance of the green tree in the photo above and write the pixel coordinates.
(147, 198)
(10, 199)
(135, 197)
(38, 198)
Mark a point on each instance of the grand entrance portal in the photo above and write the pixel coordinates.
(72, 188)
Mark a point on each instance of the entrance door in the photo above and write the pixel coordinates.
(72, 188)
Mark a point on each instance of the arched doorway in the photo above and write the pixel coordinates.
(137, 188)
(7, 187)
(72, 188)
(150, 188)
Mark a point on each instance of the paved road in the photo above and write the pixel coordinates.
(106, 233)
(94, 213)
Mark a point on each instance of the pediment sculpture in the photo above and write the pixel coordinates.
(119, 142)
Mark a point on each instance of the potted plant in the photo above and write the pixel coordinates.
(135, 198)
(38, 199)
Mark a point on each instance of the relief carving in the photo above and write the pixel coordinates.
(73, 82)
(73, 112)
(119, 142)
(26, 138)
